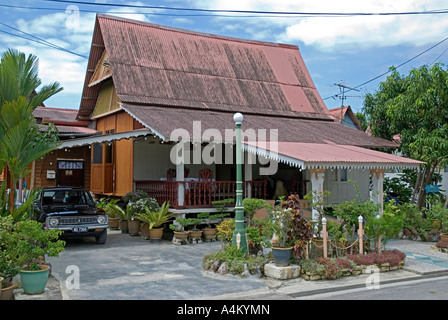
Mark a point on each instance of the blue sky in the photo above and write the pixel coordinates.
(346, 49)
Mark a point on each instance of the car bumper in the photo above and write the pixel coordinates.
(74, 230)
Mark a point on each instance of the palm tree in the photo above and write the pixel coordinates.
(21, 140)
(19, 77)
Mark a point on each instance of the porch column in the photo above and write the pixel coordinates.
(180, 168)
(377, 191)
(317, 186)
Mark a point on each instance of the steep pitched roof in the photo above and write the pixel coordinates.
(156, 65)
(165, 77)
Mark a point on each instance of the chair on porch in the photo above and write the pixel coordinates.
(170, 174)
(205, 186)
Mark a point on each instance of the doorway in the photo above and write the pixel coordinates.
(70, 173)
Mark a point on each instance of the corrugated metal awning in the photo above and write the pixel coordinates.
(329, 156)
(104, 138)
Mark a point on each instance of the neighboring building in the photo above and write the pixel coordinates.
(147, 86)
(345, 116)
(66, 166)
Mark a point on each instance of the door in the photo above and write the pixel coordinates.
(70, 173)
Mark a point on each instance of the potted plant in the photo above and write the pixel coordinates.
(135, 202)
(155, 219)
(29, 243)
(180, 235)
(195, 234)
(9, 258)
(109, 206)
(291, 231)
(209, 232)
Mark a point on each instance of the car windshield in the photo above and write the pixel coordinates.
(65, 197)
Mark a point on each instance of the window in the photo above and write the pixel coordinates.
(97, 153)
(343, 174)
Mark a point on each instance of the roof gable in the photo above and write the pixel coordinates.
(156, 65)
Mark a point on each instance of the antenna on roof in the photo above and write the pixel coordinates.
(342, 88)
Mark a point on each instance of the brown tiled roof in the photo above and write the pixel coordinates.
(64, 119)
(166, 78)
(164, 66)
(163, 121)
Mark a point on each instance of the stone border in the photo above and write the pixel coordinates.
(356, 270)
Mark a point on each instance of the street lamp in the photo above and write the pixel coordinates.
(239, 236)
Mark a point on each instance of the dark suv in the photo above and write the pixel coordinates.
(73, 211)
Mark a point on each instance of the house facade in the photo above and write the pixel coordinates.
(163, 100)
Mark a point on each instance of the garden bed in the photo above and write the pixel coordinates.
(325, 268)
(310, 269)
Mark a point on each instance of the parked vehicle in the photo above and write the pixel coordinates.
(73, 211)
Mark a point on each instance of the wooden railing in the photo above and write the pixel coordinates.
(199, 193)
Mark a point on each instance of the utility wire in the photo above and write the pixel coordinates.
(151, 13)
(400, 65)
(34, 38)
(438, 11)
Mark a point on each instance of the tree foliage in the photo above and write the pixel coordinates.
(22, 141)
(416, 108)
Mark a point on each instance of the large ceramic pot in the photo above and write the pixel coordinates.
(282, 256)
(134, 227)
(444, 237)
(114, 223)
(155, 234)
(7, 291)
(34, 281)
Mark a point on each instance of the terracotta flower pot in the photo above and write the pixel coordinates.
(124, 226)
(444, 237)
(209, 233)
(134, 227)
(7, 291)
(114, 223)
(195, 234)
(181, 235)
(144, 231)
(155, 234)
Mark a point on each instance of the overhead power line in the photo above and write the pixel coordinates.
(400, 65)
(34, 38)
(295, 13)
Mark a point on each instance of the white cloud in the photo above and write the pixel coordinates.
(329, 33)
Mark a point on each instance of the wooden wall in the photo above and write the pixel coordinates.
(49, 162)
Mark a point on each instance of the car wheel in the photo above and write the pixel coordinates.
(101, 239)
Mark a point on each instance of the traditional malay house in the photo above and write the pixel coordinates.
(149, 87)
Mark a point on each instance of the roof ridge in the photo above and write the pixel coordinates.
(197, 33)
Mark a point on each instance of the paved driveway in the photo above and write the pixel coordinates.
(132, 268)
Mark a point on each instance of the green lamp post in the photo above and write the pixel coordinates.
(239, 236)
